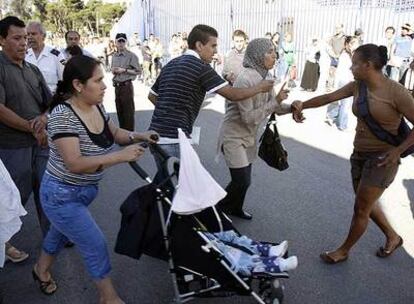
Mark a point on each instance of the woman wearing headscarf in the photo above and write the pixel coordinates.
(238, 134)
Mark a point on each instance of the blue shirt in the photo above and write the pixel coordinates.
(403, 46)
(180, 90)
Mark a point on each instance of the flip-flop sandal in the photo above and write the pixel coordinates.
(46, 287)
(329, 260)
(384, 253)
(15, 255)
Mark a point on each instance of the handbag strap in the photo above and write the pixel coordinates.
(272, 122)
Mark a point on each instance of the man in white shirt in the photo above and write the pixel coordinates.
(73, 38)
(49, 60)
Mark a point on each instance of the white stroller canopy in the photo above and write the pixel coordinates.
(197, 189)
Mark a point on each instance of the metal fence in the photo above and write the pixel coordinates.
(306, 19)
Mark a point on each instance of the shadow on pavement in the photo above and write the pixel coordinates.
(310, 205)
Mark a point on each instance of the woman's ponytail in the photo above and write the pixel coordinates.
(62, 93)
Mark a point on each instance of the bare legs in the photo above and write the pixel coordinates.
(106, 290)
(365, 207)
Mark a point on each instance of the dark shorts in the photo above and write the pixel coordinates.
(365, 170)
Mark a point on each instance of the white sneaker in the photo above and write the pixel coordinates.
(288, 264)
(279, 250)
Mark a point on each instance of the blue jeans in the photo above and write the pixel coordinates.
(240, 261)
(339, 112)
(170, 149)
(26, 167)
(345, 108)
(66, 206)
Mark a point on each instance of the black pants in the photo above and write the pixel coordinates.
(236, 189)
(125, 108)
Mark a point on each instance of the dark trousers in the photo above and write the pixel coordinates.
(26, 167)
(125, 108)
(237, 189)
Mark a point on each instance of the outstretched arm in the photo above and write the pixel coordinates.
(321, 100)
(239, 94)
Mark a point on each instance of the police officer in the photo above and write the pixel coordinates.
(125, 68)
(49, 60)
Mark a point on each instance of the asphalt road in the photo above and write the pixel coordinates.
(310, 205)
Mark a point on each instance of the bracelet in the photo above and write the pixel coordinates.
(126, 71)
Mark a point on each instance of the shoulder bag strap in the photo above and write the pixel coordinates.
(375, 127)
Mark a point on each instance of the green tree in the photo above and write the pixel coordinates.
(40, 12)
(75, 5)
(57, 17)
(4, 7)
(96, 18)
(21, 9)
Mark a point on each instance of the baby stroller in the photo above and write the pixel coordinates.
(202, 269)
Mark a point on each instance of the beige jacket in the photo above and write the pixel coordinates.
(238, 132)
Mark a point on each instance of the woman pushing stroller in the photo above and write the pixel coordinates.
(81, 136)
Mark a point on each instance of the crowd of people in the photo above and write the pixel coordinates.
(56, 138)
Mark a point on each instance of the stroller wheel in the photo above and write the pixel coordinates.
(271, 291)
(276, 294)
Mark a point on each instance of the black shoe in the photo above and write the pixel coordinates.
(242, 214)
(69, 244)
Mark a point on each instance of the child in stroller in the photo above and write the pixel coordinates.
(249, 257)
(202, 247)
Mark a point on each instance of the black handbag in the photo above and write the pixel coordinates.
(271, 149)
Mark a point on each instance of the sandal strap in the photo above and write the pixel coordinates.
(44, 285)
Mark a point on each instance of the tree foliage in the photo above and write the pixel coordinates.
(21, 8)
(93, 18)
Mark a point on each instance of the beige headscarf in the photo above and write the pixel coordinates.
(254, 56)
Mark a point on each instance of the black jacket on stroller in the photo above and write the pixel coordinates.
(140, 230)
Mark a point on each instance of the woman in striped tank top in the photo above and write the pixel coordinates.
(81, 135)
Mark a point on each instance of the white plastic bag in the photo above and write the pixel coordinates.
(10, 210)
(197, 189)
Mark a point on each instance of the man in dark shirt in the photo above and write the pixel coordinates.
(23, 102)
(179, 91)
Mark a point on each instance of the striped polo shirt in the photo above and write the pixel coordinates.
(64, 122)
(180, 89)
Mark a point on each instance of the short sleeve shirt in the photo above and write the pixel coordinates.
(126, 60)
(20, 92)
(387, 110)
(180, 90)
(50, 62)
(64, 122)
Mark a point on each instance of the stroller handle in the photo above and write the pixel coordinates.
(137, 168)
(157, 148)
